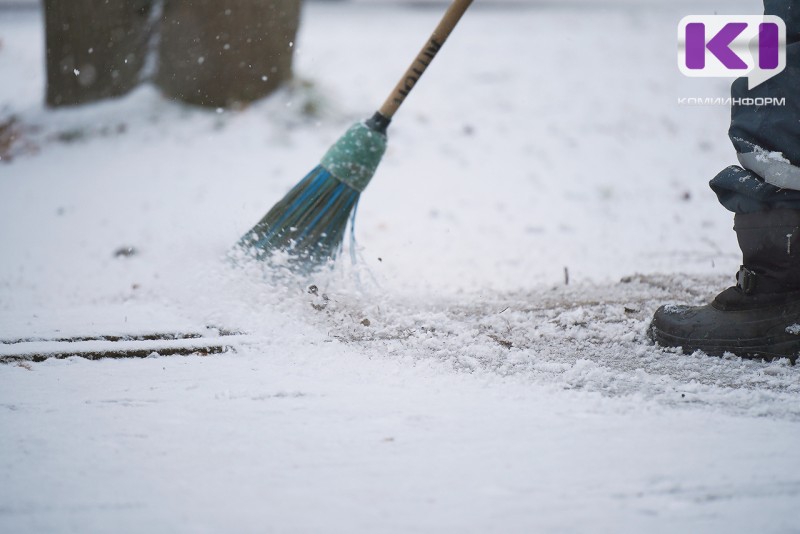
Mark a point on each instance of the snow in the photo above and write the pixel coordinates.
(765, 156)
(448, 382)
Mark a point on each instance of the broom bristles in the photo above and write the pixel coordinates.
(309, 222)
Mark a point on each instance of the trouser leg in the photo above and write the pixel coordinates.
(767, 138)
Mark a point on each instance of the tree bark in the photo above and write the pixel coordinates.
(223, 53)
(95, 48)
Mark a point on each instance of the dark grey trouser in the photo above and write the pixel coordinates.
(758, 130)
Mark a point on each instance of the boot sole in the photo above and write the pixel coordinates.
(744, 348)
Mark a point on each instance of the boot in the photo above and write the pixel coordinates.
(759, 317)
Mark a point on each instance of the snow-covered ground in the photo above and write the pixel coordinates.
(452, 382)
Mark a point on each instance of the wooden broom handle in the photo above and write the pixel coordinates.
(424, 58)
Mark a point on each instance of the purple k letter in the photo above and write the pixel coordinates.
(719, 45)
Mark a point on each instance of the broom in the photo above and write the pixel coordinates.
(309, 222)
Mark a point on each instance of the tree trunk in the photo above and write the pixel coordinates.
(95, 48)
(222, 53)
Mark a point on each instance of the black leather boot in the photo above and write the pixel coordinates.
(759, 317)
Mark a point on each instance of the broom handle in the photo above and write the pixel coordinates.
(424, 58)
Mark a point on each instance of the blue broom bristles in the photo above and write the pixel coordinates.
(309, 222)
